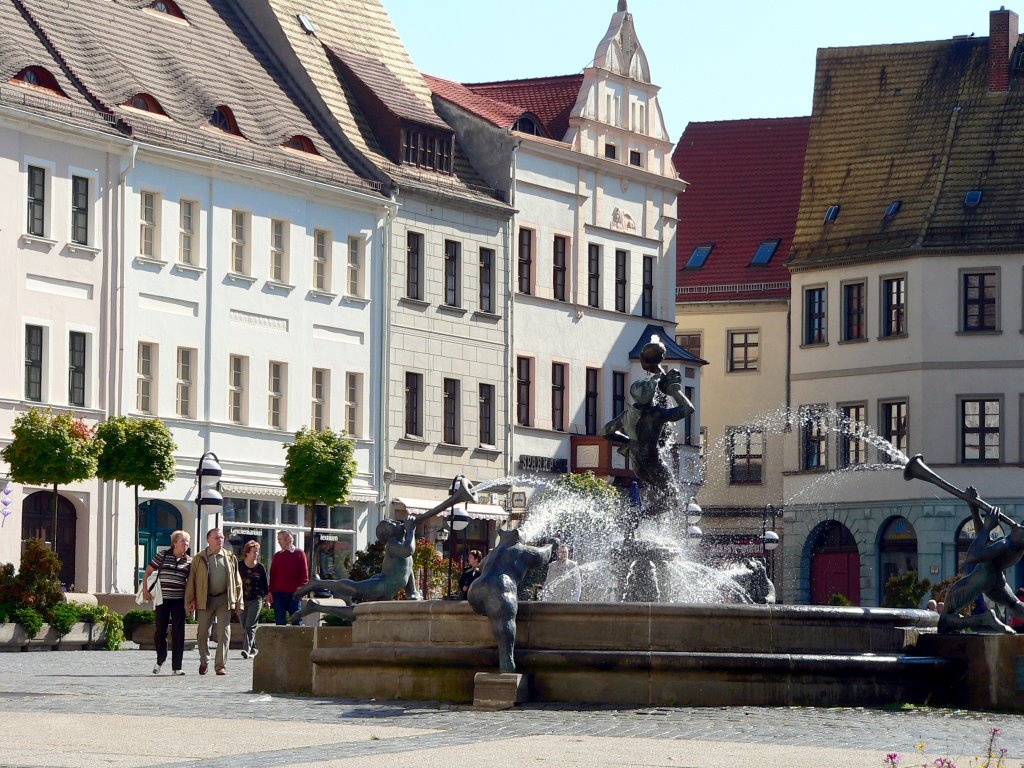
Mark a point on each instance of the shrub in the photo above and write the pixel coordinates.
(30, 619)
(905, 591)
(134, 619)
(336, 621)
(266, 616)
(37, 582)
(63, 617)
(838, 598)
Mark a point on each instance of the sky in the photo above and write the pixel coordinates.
(714, 60)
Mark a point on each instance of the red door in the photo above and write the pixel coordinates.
(833, 572)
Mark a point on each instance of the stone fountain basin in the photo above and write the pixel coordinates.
(643, 654)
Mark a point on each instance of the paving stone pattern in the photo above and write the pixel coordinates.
(113, 683)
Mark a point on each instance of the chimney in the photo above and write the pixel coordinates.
(1002, 39)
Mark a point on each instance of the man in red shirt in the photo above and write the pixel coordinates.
(289, 570)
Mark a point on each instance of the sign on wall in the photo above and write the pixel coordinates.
(542, 464)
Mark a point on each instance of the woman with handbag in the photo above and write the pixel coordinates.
(255, 591)
(171, 568)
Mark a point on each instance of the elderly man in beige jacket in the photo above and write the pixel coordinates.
(214, 589)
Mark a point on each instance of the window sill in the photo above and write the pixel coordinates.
(453, 447)
(744, 370)
(315, 293)
(361, 301)
(279, 286)
(420, 304)
(188, 269)
(993, 332)
(238, 277)
(413, 440)
(897, 336)
(489, 450)
(493, 318)
(37, 240)
(862, 340)
(149, 261)
(816, 345)
(449, 309)
(89, 251)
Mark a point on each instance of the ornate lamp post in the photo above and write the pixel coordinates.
(458, 520)
(208, 474)
(769, 539)
(693, 515)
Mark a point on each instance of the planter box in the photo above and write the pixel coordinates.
(46, 639)
(82, 636)
(144, 637)
(12, 637)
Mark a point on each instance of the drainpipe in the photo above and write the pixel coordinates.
(387, 471)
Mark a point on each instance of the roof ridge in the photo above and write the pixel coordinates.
(549, 78)
(502, 102)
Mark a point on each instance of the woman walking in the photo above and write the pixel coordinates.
(172, 567)
(255, 590)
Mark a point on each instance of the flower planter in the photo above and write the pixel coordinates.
(12, 637)
(82, 636)
(144, 637)
(46, 639)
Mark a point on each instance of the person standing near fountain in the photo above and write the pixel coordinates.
(563, 584)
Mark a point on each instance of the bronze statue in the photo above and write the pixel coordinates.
(396, 571)
(495, 593)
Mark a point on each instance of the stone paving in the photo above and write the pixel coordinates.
(82, 708)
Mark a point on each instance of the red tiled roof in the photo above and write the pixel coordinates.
(745, 178)
(493, 111)
(551, 99)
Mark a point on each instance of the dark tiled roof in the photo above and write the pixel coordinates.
(672, 350)
(492, 110)
(912, 122)
(744, 181)
(551, 99)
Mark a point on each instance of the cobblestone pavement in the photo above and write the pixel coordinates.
(102, 692)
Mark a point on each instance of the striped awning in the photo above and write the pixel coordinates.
(477, 511)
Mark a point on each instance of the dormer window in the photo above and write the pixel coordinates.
(699, 256)
(831, 214)
(893, 209)
(168, 7)
(145, 103)
(527, 124)
(972, 198)
(425, 148)
(765, 251)
(301, 143)
(223, 120)
(38, 77)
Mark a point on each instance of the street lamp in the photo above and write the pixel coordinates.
(769, 538)
(693, 511)
(208, 474)
(458, 520)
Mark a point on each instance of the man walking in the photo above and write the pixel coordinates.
(289, 570)
(214, 589)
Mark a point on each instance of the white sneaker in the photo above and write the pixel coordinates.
(178, 672)
(156, 669)
(253, 652)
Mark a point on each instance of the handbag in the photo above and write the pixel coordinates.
(153, 584)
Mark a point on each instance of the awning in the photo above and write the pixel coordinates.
(253, 491)
(477, 511)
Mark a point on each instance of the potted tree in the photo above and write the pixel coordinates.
(136, 452)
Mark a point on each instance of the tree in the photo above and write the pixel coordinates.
(136, 452)
(589, 484)
(319, 467)
(52, 449)
(905, 591)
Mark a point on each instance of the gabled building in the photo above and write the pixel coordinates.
(736, 224)
(906, 289)
(586, 162)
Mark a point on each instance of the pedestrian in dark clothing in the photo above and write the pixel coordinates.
(255, 591)
(470, 573)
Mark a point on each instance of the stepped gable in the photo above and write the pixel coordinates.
(496, 112)
(190, 67)
(551, 99)
(913, 123)
(744, 181)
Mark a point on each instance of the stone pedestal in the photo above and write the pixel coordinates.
(994, 668)
(499, 690)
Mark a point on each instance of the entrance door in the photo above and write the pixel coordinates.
(835, 564)
(37, 523)
(157, 521)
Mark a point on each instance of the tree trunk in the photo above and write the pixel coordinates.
(136, 542)
(53, 542)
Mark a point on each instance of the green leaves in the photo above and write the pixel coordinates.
(319, 467)
(51, 449)
(136, 452)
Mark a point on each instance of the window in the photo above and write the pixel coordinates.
(414, 265)
(892, 209)
(186, 232)
(237, 375)
(765, 251)
(973, 198)
(524, 390)
(321, 388)
(618, 393)
(558, 397)
(688, 419)
(525, 272)
(34, 363)
(186, 381)
(894, 306)
(815, 329)
(814, 438)
(427, 149)
(486, 414)
(353, 398)
(36, 201)
(558, 268)
(854, 312)
(145, 379)
(240, 242)
(895, 427)
(76, 369)
(413, 411)
(746, 457)
(634, 158)
(852, 449)
(591, 408)
(594, 275)
(275, 395)
(647, 291)
(611, 151)
(831, 214)
(80, 210)
(979, 299)
(168, 7)
(355, 268)
(278, 251)
(301, 143)
(621, 280)
(321, 260)
(38, 77)
(486, 280)
(699, 256)
(451, 411)
(451, 273)
(744, 347)
(224, 120)
(526, 124)
(979, 431)
(145, 103)
(149, 244)
(691, 342)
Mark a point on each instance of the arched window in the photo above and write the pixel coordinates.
(169, 7)
(301, 143)
(897, 552)
(145, 103)
(964, 536)
(223, 120)
(38, 77)
(37, 520)
(527, 124)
